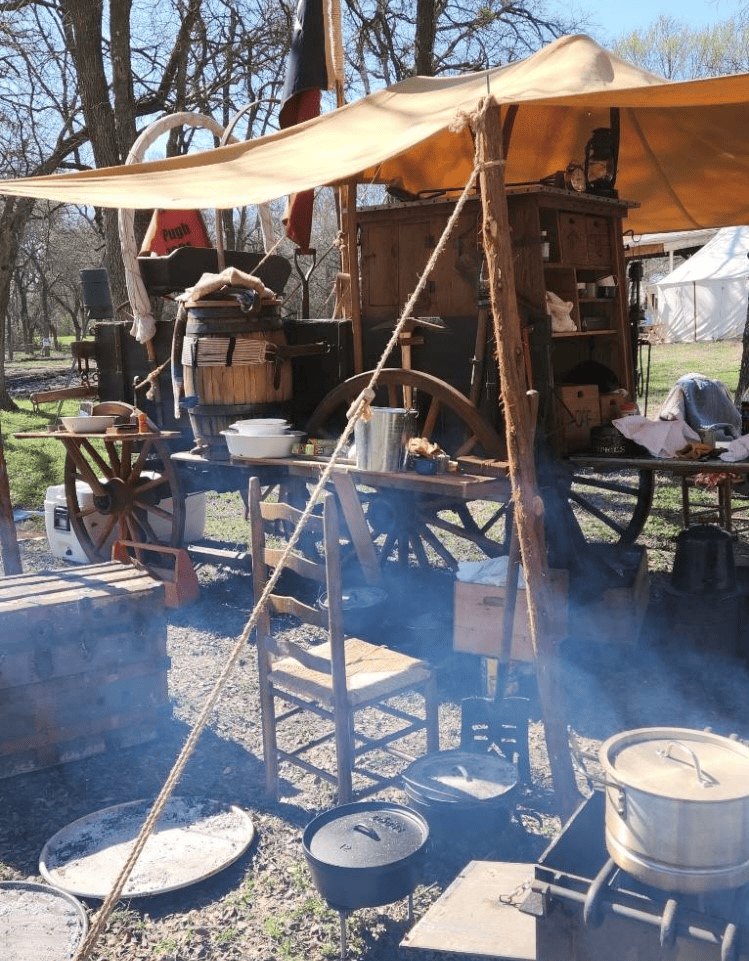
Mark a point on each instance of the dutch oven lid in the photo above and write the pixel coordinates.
(365, 834)
(462, 776)
(678, 763)
(357, 598)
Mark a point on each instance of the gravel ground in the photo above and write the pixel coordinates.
(265, 905)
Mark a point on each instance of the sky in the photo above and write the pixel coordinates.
(618, 17)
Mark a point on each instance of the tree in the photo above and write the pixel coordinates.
(389, 40)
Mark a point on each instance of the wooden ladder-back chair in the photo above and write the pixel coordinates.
(337, 679)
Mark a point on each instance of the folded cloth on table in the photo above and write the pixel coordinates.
(661, 438)
(694, 451)
(493, 571)
(737, 450)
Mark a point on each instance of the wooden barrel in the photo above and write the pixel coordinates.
(232, 369)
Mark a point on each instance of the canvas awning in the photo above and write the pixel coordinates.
(684, 153)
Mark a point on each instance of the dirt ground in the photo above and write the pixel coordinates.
(265, 905)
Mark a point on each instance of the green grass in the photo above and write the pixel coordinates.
(668, 362)
(33, 465)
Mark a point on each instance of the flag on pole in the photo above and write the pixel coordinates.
(308, 72)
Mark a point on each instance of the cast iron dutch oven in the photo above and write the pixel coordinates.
(462, 791)
(366, 854)
(677, 807)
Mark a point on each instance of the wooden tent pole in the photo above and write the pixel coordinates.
(8, 539)
(528, 506)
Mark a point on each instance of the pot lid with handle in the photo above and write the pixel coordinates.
(365, 834)
(463, 776)
(678, 763)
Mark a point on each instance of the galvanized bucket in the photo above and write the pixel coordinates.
(382, 441)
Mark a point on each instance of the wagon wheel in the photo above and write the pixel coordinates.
(445, 415)
(133, 486)
(404, 522)
(611, 507)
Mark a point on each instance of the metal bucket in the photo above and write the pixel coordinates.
(382, 442)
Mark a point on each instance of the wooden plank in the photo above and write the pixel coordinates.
(8, 540)
(358, 528)
(470, 917)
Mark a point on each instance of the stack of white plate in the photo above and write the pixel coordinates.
(261, 437)
(261, 426)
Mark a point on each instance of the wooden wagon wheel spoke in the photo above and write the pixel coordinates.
(439, 548)
(130, 492)
(611, 507)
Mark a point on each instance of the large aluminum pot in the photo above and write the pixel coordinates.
(677, 808)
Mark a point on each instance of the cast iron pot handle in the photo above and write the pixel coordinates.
(704, 779)
(366, 829)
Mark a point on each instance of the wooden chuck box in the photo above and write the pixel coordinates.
(83, 664)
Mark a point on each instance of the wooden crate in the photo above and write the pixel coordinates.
(618, 616)
(577, 410)
(83, 664)
(478, 614)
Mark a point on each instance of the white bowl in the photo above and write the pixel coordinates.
(261, 445)
(93, 424)
(257, 428)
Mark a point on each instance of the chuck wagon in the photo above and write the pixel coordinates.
(443, 366)
(590, 146)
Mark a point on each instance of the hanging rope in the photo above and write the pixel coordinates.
(359, 409)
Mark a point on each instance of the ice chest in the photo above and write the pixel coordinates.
(62, 538)
(479, 610)
(83, 664)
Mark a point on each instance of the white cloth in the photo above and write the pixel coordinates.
(661, 438)
(493, 571)
(737, 450)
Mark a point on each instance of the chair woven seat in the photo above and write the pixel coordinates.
(372, 672)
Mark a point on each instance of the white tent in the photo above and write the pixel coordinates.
(705, 298)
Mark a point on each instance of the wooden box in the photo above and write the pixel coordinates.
(617, 617)
(609, 406)
(478, 614)
(577, 410)
(83, 664)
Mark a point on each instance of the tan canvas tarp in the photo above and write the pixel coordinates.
(684, 153)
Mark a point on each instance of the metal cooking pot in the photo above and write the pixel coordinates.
(462, 794)
(677, 808)
(366, 854)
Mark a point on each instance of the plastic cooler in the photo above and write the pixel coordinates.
(62, 538)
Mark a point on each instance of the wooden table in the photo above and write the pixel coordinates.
(413, 500)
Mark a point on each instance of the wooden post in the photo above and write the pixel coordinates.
(528, 506)
(8, 539)
(351, 261)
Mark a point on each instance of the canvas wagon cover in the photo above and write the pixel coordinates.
(684, 146)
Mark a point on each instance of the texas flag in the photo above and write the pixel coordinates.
(308, 72)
